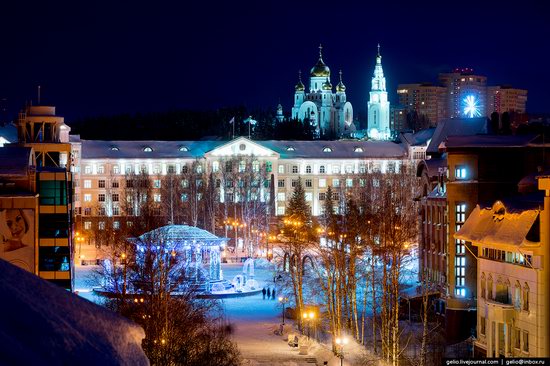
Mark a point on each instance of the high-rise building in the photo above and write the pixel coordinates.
(502, 99)
(46, 133)
(466, 93)
(328, 113)
(425, 99)
(378, 105)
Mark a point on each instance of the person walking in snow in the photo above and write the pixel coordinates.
(263, 292)
(268, 293)
(273, 294)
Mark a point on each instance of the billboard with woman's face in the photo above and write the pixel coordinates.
(17, 237)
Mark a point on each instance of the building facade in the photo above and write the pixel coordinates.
(466, 93)
(513, 273)
(234, 168)
(45, 205)
(424, 99)
(502, 99)
(328, 113)
(378, 105)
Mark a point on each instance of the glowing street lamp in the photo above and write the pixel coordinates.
(283, 300)
(341, 342)
(308, 317)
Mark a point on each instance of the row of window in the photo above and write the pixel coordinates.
(506, 256)
(516, 336)
(502, 292)
(308, 183)
(243, 166)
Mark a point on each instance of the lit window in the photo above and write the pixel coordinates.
(87, 183)
(87, 197)
(156, 169)
(147, 149)
(349, 169)
(281, 196)
(482, 325)
(322, 183)
(116, 224)
(309, 196)
(525, 341)
(87, 211)
(460, 172)
(101, 225)
(281, 169)
(460, 276)
(336, 182)
(116, 169)
(327, 150)
(156, 197)
(184, 148)
(87, 169)
(256, 166)
(198, 169)
(336, 169)
(358, 149)
(87, 225)
(349, 182)
(101, 169)
(280, 211)
(156, 183)
(215, 166)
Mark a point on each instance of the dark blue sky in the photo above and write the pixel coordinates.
(94, 57)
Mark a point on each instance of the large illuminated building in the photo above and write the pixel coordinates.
(466, 93)
(329, 114)
(378, 104)
(425, 99)
(502, 99)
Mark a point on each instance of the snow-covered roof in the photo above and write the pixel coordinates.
(9, 132)
(341, 149)
(488, 141)
(182, 234)
(288, 149)
(99, 149)
(418, 138)
(500, 224)
(43, 324)
(456, 127)
(15, 160)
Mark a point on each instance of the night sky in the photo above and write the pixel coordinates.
(101, 58)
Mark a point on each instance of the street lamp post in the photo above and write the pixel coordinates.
(308, 317)
(341, 342)
(283, 300)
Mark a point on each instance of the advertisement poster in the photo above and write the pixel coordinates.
(17, 237)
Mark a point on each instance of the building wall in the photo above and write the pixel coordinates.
(460, 84)
(504, 99)
(424, 99)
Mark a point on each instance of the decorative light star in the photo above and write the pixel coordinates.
(471, 107)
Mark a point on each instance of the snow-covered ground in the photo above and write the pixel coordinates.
(254, 322)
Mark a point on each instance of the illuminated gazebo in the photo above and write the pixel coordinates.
(191, 243)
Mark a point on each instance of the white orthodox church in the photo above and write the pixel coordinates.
(330, 114)
(378, 104)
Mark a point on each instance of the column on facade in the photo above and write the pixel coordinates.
(506, 339)
(489, 335)
(496, 339)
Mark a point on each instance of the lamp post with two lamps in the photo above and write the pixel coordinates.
(341, 342)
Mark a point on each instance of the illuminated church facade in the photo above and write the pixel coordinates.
(378, 105)
(329, 113)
